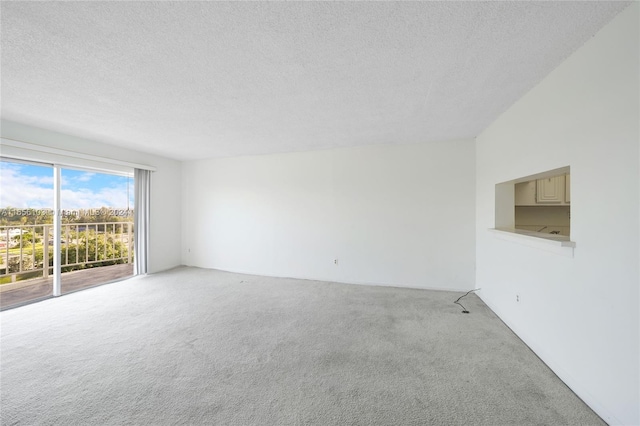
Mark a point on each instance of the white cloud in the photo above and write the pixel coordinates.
(18, 190)
(85, 177)
(23, 191)
(87, 199)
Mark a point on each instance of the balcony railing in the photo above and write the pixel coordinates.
(26, 251)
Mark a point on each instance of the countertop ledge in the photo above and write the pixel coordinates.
(557, 243)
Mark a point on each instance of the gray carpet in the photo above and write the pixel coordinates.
(195, 346)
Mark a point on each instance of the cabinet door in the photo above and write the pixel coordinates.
(567, 189)
(550, 190)
(525, 194)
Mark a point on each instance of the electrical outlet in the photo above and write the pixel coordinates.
(517, 298)
(335, 261)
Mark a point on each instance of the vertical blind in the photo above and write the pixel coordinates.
(142, 182)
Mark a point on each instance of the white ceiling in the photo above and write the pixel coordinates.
(206, 79)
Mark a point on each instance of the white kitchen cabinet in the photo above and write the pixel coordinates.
(525, 194)
(550, 190)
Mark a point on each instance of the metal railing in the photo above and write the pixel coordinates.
(26, 251)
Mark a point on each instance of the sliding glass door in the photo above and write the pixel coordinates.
(88, 242)
(96, 230)
(26, 218)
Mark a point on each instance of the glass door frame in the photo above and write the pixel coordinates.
(57, 231)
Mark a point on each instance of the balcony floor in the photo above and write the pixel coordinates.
(39, 288)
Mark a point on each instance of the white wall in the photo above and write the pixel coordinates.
(165, 233)
(393, 215)
(580, 313)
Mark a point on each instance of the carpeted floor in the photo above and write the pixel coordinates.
(195, 346)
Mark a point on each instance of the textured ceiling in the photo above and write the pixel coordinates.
(207, 79)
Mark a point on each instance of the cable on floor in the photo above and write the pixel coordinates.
(457, 301)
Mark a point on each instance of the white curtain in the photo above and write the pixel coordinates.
(142, 183)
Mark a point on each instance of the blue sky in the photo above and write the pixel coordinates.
(24, 185)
